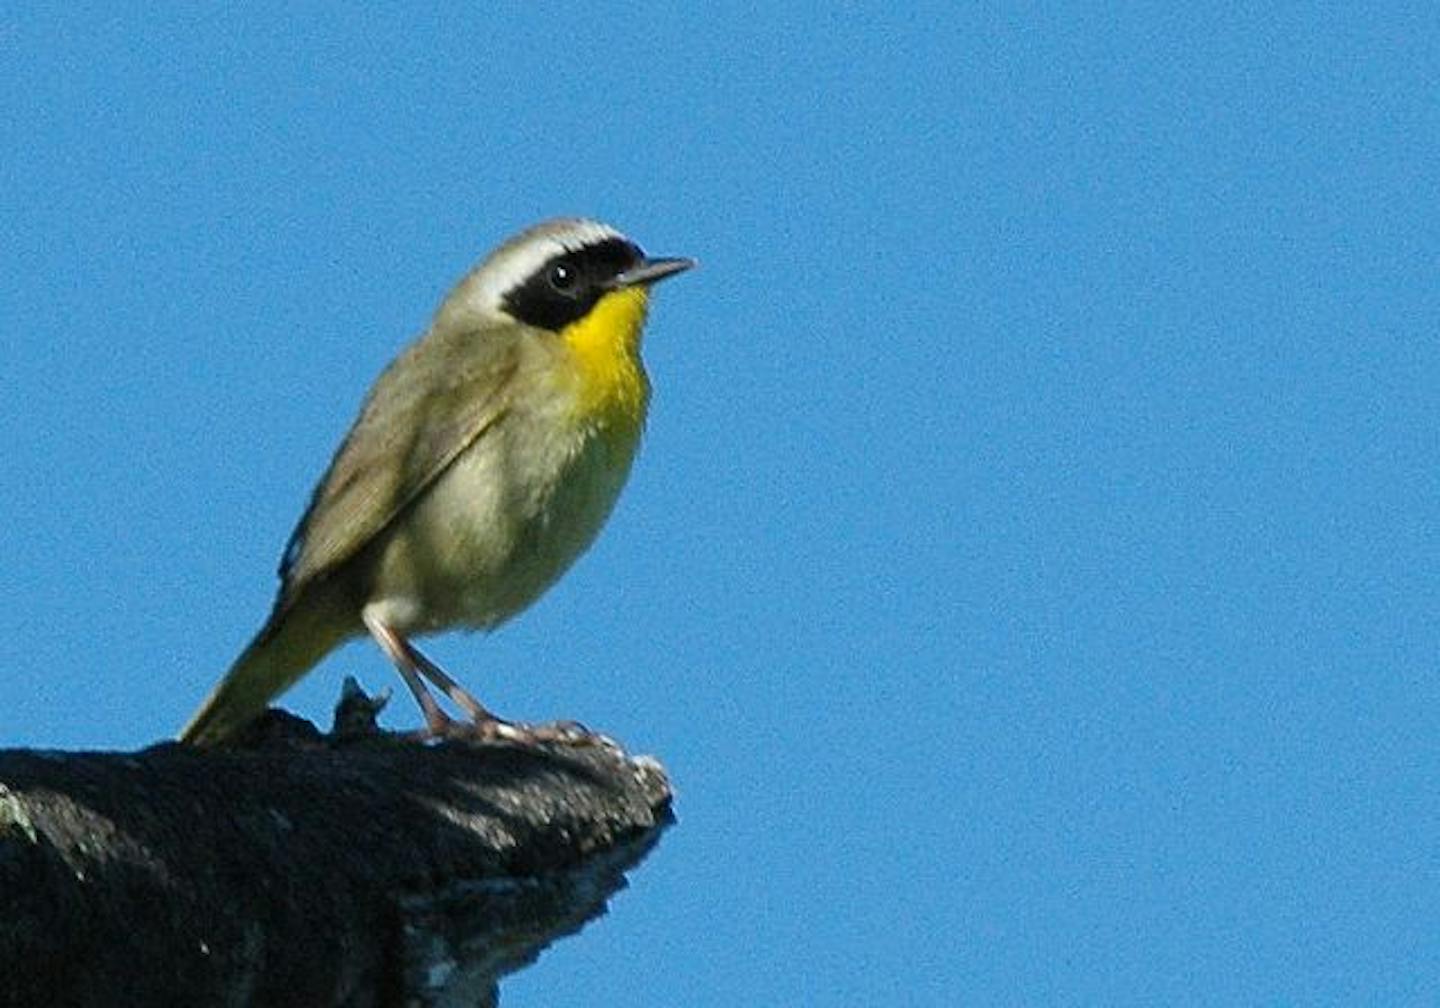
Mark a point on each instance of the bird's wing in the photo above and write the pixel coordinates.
(427, 407)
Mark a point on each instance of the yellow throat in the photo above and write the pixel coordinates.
(606, 347)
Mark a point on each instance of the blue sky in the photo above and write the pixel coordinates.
(1029, 577)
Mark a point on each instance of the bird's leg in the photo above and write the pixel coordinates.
(402, 656)
(409, 660)
(459, 695)
(412, 663)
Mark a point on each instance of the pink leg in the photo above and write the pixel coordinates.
(398, 650)
(412, 664)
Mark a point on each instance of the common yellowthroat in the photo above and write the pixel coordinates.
(484, 461)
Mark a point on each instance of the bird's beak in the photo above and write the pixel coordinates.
(652, 271)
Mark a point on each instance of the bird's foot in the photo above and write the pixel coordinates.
(556, 732)
(439, 725)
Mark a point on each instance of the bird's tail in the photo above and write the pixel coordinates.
(287, 647)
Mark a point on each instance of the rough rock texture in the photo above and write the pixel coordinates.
(303, 869)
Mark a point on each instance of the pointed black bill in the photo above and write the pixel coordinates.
(653, 271)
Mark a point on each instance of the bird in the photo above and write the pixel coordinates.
(484, 461)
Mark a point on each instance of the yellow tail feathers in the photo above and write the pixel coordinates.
(288, 646)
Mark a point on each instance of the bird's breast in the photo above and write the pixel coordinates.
(508, 518)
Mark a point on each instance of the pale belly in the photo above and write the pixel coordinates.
(499, 527)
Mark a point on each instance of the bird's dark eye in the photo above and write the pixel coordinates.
(562, 276)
